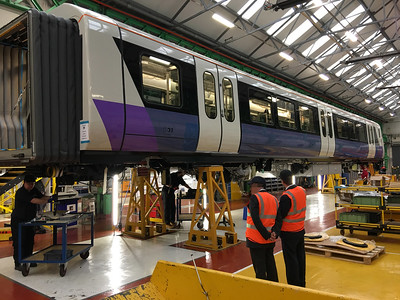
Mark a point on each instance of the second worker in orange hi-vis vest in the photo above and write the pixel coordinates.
(290, 227)
(261, 214)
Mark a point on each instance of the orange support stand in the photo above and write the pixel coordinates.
(211, 182)
(144, 199)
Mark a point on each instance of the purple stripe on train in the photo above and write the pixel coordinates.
(147, 129)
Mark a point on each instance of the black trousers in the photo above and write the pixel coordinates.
(295, 257)
(264, 262)
(168, 195)
(27, 240)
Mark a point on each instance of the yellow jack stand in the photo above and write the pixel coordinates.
(204, 207)
(144, 199)
(329, 183)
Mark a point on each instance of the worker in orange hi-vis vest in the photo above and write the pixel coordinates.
(261, 214)
(289, 226)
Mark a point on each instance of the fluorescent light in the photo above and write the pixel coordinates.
(159, 60)
(304, 107)
(222, 20)
(115, 200)
(285, 56)
(381, 108)
(324, 77)
(377, 63)
(352, 37)
(368, 101)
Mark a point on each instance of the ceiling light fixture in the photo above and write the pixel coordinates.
(352, 37)
(392, 114)
(381, 108)
(223, 21)
(377, 63)
(324, 77)
(285, 56)
(368, 101)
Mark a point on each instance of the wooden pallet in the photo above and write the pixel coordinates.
(347, 255)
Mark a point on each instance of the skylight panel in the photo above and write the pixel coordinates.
(314, 47)
(225, 3)
(348, 19)
(250, 10)
(338, 62)
(359, 73)
(283, 23)
(378, 93)
(362, 80)
(343, 70)
(322, 56)
(298, 32)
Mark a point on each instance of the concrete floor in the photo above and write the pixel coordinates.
(118, 262)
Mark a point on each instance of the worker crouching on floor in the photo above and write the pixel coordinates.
(27, 199)
(261, 214)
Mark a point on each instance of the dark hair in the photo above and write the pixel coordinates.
(258, 181)
(286, 176)
(29, 178)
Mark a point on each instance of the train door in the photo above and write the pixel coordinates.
(230, 118)
(326, 131)
(371, 141)
(209, 107)
(218, 108)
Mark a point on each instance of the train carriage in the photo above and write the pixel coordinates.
(83, 90)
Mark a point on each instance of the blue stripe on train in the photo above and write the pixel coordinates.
(273, 142)
(350, 149)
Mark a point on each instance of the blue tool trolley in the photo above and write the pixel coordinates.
(57, 253)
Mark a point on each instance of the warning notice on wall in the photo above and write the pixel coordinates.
(85, 132)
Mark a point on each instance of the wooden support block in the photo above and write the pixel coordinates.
(231, 237)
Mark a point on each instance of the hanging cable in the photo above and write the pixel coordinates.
(198, 276)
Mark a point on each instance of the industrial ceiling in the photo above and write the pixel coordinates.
(345, 50)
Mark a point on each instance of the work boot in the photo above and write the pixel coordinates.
(18, 267)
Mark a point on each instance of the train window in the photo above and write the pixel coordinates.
(329, 117)
(160, 81)
(209, 95)
(260, 107)
(286, 114)
(361, 132)
(371, 135)
(306, 115)
(323, 124)
(376, 135)
(345, 128)
(229, 109)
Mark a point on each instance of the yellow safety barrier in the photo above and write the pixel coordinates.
(172, 281)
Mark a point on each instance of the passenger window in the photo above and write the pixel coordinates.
(306, 115)
(209, 95)
(227, 90)
(329, 115)
(323, 125)
(260, 107)
(372, 135)
(377, 136)
(361, 133)
(351, 130)
(160, 81)
(286, 114)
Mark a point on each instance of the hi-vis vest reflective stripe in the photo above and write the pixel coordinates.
(268, 207)
(294, 221)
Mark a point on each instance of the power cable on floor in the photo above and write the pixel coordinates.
(198, 276)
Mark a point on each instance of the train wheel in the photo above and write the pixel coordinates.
(341, 231)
